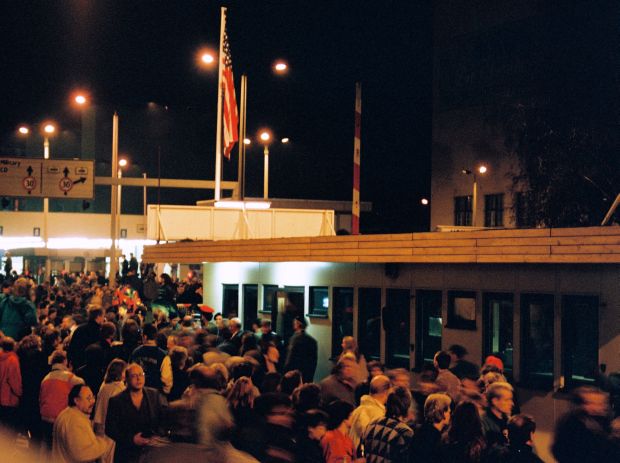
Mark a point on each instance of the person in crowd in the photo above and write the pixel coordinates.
(290, 381)
(85, 335)
(426, 443)
(584, 433)
(107, 334)
(151, 359)
(180, 377)
(18, 313)
(74, 438)
(240, 400)
(302, 351)
(312, 426)
(464, 442)
(340, 385)
(131, 335)
(272, 437)
(499, 409)
(113, 384)
(135, 416)
(336, 444)
(54, 392)
(375, 368)
(306, 397)
(93, 371)
(446, 380)
(236, 333)
(33, 367)
(349, 345)
(371, 408)
(10, 383)
(271, 356)
(388, 439)
(460, 367)
(521, 430)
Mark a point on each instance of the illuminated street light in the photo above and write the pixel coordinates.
(280, 67)
(80, 99)
(246, 141)
(285, 140)
(122, 162)
(265, 137)
(207, 58)
(424, 201)
(49, 128)
(482, 169)
(24, 130)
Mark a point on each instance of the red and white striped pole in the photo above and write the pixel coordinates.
(355, 220)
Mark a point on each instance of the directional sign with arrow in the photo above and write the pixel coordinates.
(46, 178)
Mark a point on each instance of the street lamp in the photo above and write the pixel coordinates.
(265, 139)
(24, 130)
(280, 67)
(482, 169)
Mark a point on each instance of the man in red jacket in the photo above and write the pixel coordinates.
(10, 383)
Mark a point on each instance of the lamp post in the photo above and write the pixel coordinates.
(482, 169)
(265, 138)
(48, 130)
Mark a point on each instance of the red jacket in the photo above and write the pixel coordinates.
(10, 379)
(54, 392)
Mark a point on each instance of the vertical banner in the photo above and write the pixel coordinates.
(355, 219)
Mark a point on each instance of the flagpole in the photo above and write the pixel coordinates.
(355, 218)
(242, 129)
(218, 139)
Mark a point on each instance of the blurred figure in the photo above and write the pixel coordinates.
(464, 442)
(521, 430)
(459, 366)
(340, 385)
(10, 383)
(349, 345)
(375, 368)
(312, 428)
(584, 433)
(446, 380)
(302, 351)
(18, 312)
(426, 444)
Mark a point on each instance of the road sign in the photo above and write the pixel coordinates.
(51, 178)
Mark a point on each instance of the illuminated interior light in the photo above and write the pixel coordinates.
(243, 204)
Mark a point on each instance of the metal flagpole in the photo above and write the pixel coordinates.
(220, 94)
(355, 218)
(114, 203)
(242, 130)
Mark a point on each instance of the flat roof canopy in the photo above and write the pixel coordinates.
(544, 246)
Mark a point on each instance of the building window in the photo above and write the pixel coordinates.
(319, 301)
(461, 310)
(522, 211)
(462, 210)
(498, 327)
(230, 301)
(429, 325)
(369, 322)
(342, 317)
(250, 305)
(538, 337)
(579, 339)
(494, 210)
(270, 298)
(396, 320)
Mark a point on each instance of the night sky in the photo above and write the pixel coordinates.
(130, 53)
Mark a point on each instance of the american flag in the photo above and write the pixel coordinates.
(231, 117)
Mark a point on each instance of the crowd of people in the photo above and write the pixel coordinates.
(88, 373)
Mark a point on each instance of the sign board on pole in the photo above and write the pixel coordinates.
(47, 178)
